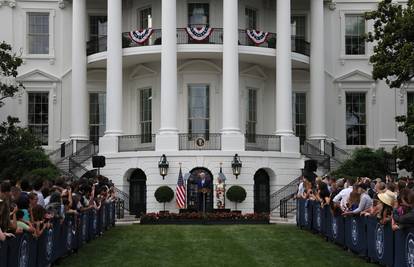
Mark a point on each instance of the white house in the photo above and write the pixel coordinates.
(193, 80)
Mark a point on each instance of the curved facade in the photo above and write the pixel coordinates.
(201, 87)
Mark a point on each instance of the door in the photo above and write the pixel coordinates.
(261, 192)
(138, 193)
(200, 190)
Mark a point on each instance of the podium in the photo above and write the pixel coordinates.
(204, 191)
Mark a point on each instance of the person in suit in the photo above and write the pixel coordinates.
(203, 182)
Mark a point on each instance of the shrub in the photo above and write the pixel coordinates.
(236, 194)
(164, 194)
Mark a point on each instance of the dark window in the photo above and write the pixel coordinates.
(356, 127)
(251, 116)
(410, 102)
(97, 116)
(198, 109)
(300, 116)
(38, 116)
(144, 17)
(146, 115)
(298, 27)
(251, 18)
(97, 32)
(198, 14)
(38, 33)
(354, 35)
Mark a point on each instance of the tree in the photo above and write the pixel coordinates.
(236, 194)
(164, 194)
(364, 162)
(9, 63)
(393, 38)
(405, 154)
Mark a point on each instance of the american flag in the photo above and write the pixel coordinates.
(180, 191)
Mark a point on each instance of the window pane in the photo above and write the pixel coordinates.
(354, 33)
(144, 15)
(38, 115)
(251, 115)
(355, 119)
(97, 116)
(299, 26)
(198, 109)
(251, 18)
(299, 116)
(198, 14)
(38, 33)
(146, 115)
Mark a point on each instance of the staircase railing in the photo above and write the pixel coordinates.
(283, 193)
(312, 150)
(85, 153)
(62, 153)
(287, 205)
(124, 197)
(336, 153)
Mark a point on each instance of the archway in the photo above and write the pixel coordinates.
(261, 192)
(138, 192)
(196, 200)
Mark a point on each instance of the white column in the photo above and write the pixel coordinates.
(284, 125)
(113, 79)
(317, 75)
(231, 135)
(167, 138)
(79, 93)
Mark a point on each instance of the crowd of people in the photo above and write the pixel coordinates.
(34, 205)
(391, 201)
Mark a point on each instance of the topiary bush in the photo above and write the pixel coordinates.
(236, 194)
(164, 194)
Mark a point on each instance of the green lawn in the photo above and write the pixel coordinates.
(236, 245)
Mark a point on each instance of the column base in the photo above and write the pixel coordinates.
(232, 142)
(166, 142)
(108, 144)
(290, 144)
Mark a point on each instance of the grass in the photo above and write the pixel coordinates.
(235, 245)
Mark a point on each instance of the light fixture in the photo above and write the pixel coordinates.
(163, 166)
(236, 165)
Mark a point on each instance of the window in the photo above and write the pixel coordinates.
(145, 97)
(97, 32)
(298, 24)
(354, 35)
(355, 119)
(144, 18)
(198, 109)
(251, 18)
(38, 116)
(410, 102)
(198, 14)
(251, 116)
(97, 116)
(299, 116)
(38, 33)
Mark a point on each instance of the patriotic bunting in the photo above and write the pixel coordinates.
(258, 37)
(140, 37)
(199, 33)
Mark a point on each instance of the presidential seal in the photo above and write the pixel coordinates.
(379, 241)
(318, 219)
(409, 250)
(354, 232)
(49, 245)
(24, 253)
(334, 228)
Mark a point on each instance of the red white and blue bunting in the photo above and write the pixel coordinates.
(140, 37)
(258, 37)
(199, 33)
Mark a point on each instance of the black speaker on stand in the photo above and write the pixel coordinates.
(98, 162)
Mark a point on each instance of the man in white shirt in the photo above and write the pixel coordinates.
(343, 196)
(37, 187)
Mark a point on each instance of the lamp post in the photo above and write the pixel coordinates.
(163, 166)
(236, 165)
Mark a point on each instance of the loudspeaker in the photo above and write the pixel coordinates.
(98, 161)
(311, 165)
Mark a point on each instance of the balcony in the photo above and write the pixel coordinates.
(299, 45)
(202, 141)
(258, 142)
(133, 143)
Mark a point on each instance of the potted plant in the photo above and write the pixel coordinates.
(236, 194)
(164, 194)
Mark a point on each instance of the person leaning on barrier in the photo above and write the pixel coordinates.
(342, 197)
(403, 212)
(365, 201)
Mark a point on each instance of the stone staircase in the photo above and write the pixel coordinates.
(276, 219)
(128, 219)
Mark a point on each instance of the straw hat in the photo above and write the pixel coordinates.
(387, 197)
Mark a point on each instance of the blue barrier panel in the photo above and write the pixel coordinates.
(45, 248)
(22, 251)
(335, 228)
(380, 240)
(404, 248)
(318, 218)
(3, 253)
(70, 239)
(93, 224)
(355, 235)
(297, 213)
(57, 229)
(84, 225)
(100, 222)
(306, 214)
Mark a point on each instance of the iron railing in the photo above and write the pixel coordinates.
(127, 143)
(216, 37)
(260, 142)
(64, 151)
(119, 208)
(124, 198)
(312, 150)
(299, 45)
(203, 141)
(287, 191)
(287, 205)
(336, 153)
